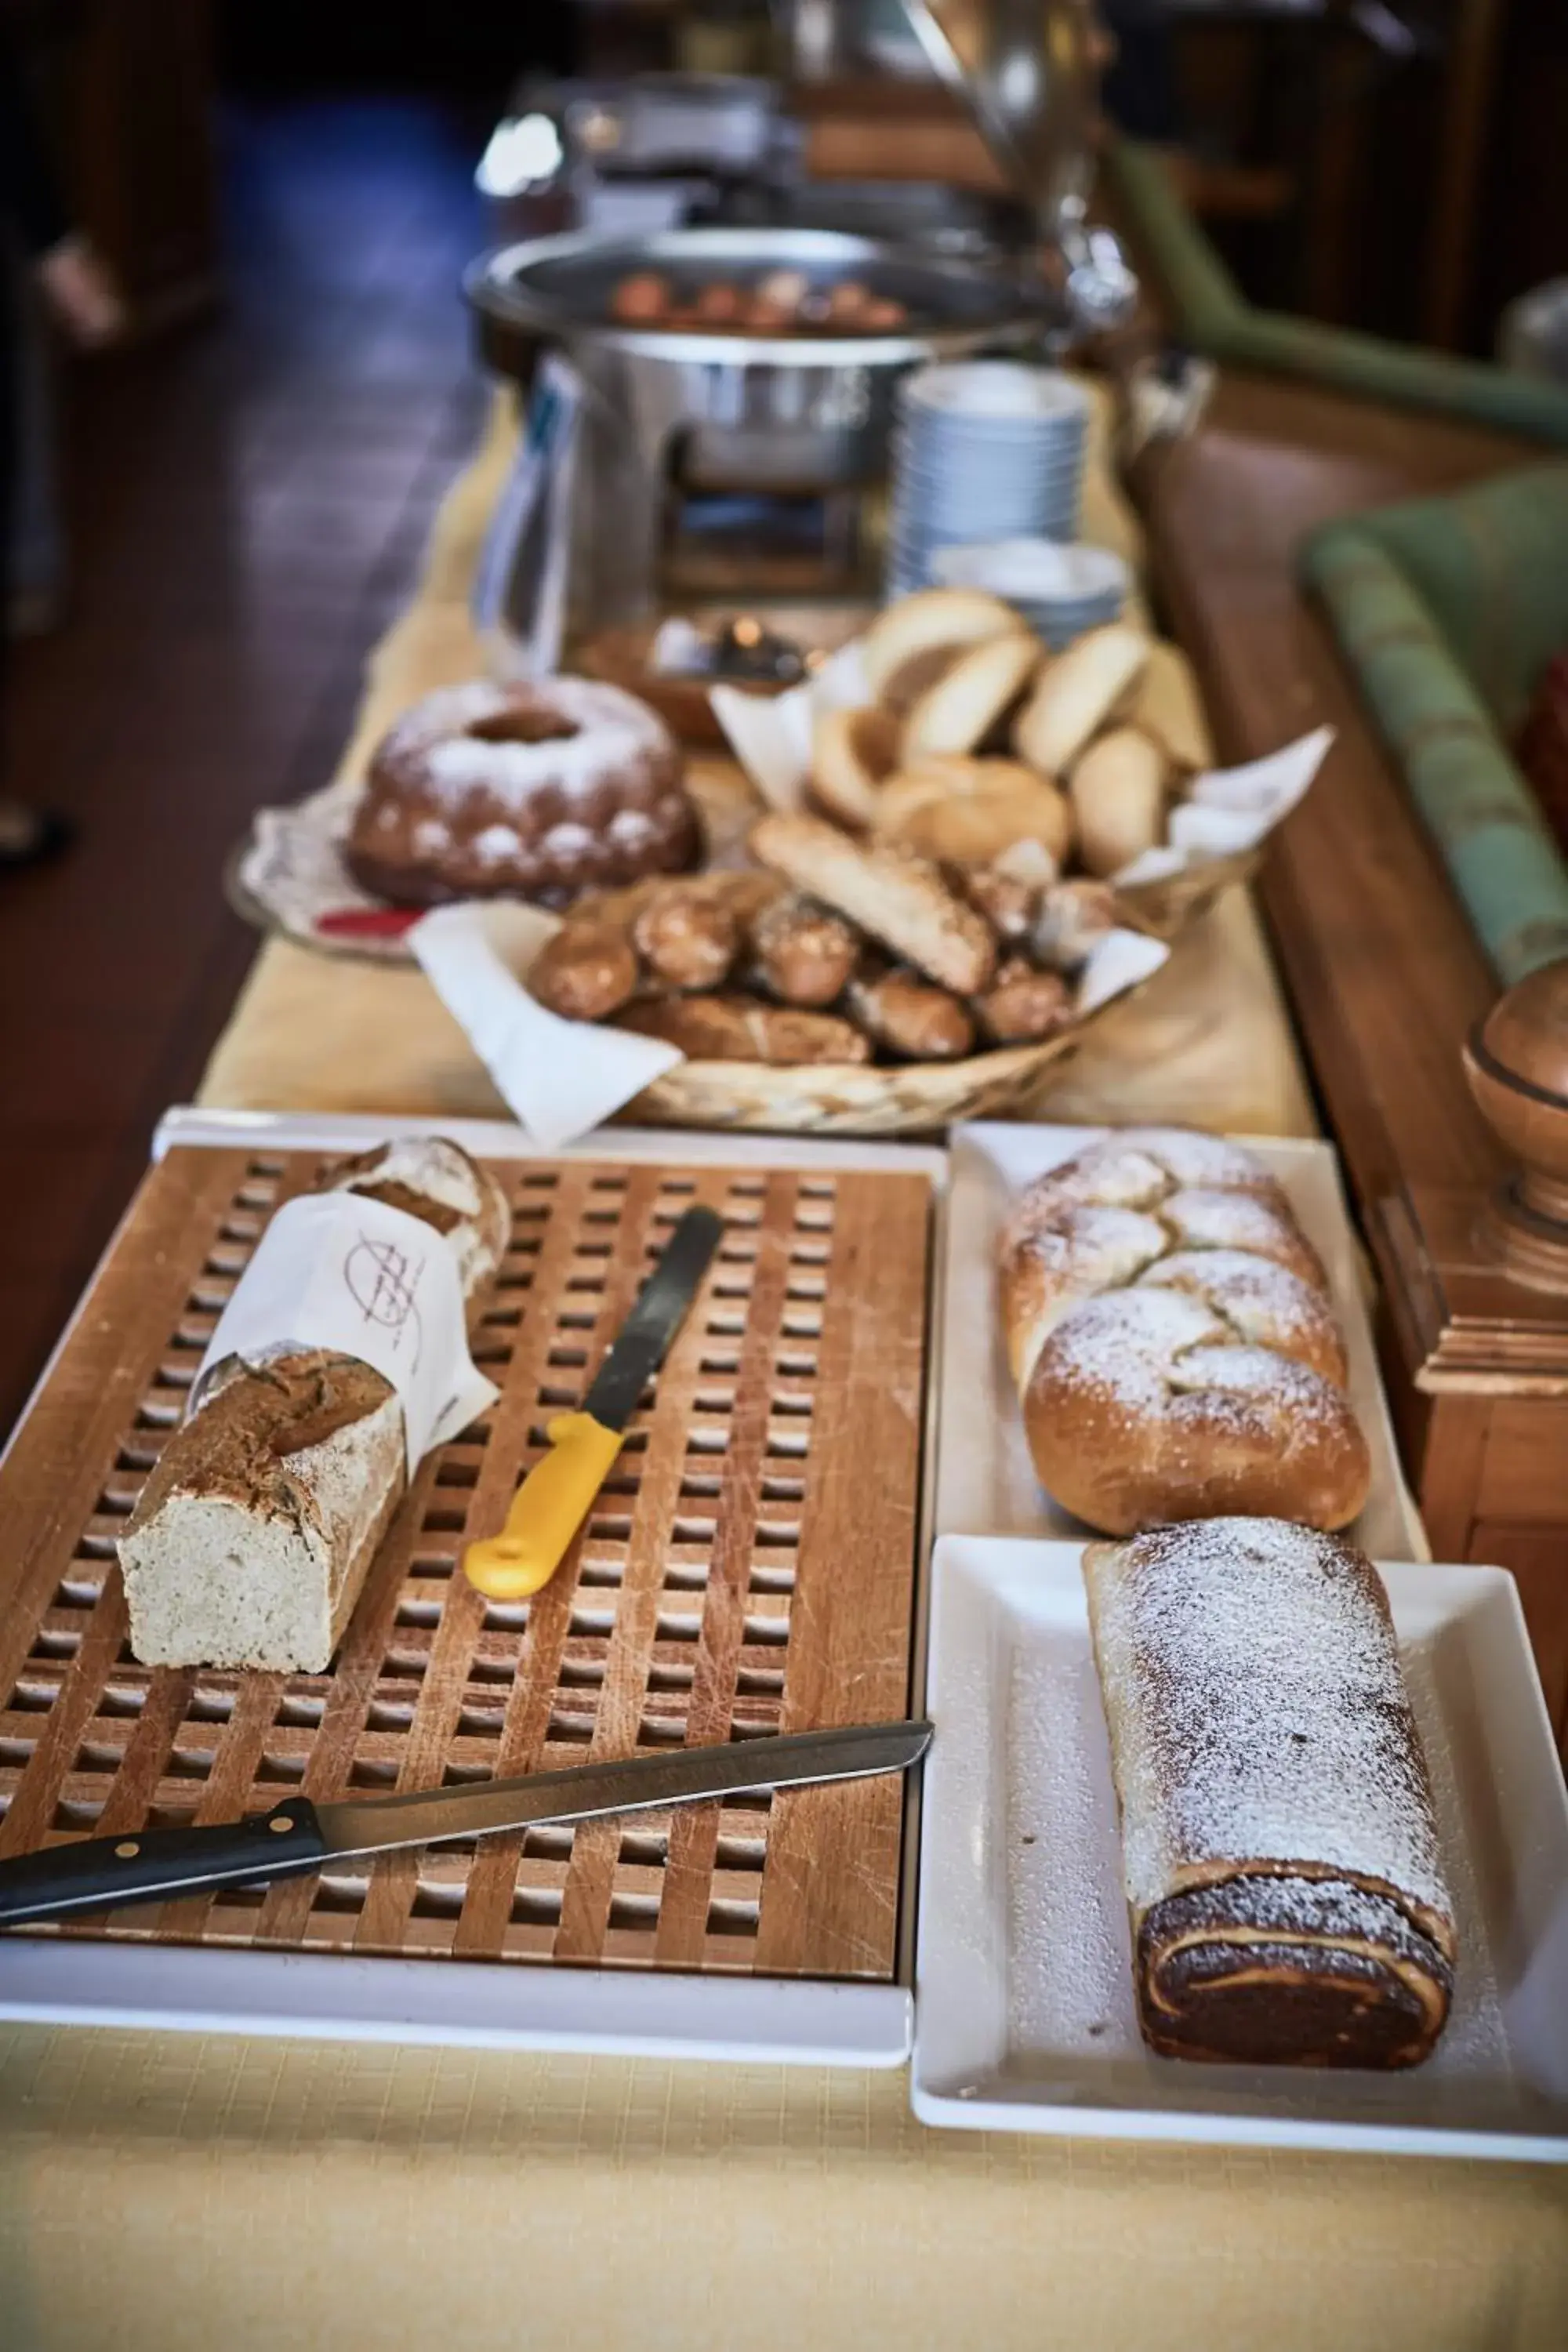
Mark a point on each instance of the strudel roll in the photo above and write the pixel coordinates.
(1283, 1878)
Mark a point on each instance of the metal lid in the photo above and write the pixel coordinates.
(561, 286)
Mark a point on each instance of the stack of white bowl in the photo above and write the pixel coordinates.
(983, 449)
(1062, 590)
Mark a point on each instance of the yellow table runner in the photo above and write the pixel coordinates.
(206, 2194)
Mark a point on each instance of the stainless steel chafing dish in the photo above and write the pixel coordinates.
(802, 411)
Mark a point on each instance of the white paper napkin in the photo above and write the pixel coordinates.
(337, 1270)
(558, 1077)
(770, 734)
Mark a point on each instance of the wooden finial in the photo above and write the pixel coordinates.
(1517, 1064)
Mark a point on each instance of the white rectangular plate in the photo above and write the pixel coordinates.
(985, 1481)
(1024, 2011)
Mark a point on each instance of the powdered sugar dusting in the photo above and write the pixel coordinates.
(1256, 1710)
(1265, 1303)
(1236, 1221)
(613, 731)
(1122, 1348)
(1139, 1168)
(1070, 1962)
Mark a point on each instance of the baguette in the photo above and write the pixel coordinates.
(251, 1540)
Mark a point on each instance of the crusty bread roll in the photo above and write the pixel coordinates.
(971, 694)
(1170, 1332)
(584, 973)
(1164, 704)
(852, 754)
(964, 811)
(1023, 1006)
(1077, 693)
(1279, 1845)
(251, 1539)
(687, 939)
(740, 1029)
(932, 620)
(1070, 920)
(909, 1017)
(803, 954)
(1118, 789)
(901, 900)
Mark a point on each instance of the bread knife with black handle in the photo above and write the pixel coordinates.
(295, 1836)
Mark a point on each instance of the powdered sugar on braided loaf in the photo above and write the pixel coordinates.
(1170, 1331)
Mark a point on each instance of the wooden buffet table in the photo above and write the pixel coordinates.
(171, 2191)
(1385, 977)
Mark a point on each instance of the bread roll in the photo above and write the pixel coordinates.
(1283, 1874)
(584, 973)
(1164, 704)
(805, 955)
(900, 901)
(739, 1029)
(1071, 919)
(852, 754)
(1171, 1335)
(1077, 693)
(933, 620)
(1118, 789)
(251, 1539)
(911, 1018)
(1009, 903)
(963, 811)
(971, 694)
(1023, 1006)
(685, 938)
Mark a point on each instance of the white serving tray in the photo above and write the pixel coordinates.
(1025, 2017)
(986, 1480)
(340, 1997)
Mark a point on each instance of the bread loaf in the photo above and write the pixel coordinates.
(1280, 1854)
(250, 1541)
(1170, 1333)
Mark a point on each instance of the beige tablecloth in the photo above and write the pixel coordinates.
(160, 2193)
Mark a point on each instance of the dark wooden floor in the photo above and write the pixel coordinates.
(249, 506)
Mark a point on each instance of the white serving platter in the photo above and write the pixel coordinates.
(1024, 2011)
(806, 2022)
(986, 1480)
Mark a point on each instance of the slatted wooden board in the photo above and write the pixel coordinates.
(750, 1567)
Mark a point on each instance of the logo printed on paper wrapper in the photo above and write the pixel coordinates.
(383, 1280)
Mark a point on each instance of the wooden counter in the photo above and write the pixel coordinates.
(1383, 974)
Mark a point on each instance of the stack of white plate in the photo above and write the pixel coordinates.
(981, 448)
(1062, 590)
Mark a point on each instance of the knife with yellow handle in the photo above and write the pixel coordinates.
(556, 1497)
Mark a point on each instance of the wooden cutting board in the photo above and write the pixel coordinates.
(750, 1567)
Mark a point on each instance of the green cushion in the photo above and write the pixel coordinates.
(1448, 609)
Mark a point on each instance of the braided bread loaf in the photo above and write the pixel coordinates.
(1170, 1332)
